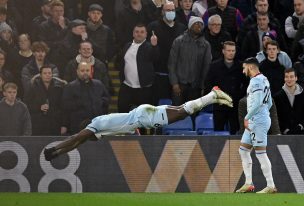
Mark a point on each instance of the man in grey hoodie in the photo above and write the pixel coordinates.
(289, 101)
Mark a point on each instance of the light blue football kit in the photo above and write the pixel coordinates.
(259, 101)
(146, 116)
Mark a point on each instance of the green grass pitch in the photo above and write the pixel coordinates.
(148, 199)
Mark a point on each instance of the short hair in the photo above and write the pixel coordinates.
(291, 70)
(46, 66)
(85, 41)
(40, 46)
(10, 85)
(141, 25)
(273, 43)
(228, 43)
(56, 3)
(26, 35)
(256, 2)
(213, 17)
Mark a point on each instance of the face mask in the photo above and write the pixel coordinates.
(170, 15)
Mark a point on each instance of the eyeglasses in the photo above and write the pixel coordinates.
(215, 24)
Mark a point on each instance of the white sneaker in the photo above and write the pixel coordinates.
(246, 188)
(268, 190)
(224, 102)
(220, 94)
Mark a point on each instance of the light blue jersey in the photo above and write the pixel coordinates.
(259, 101)
(146, 116)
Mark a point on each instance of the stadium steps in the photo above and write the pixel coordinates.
(114, 74)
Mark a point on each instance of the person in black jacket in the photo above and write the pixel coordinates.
(83, 98)
(289, 101)
(100, 34)
(137, 70)
(216, 36)
(44, 103)
(166, 29)
(272, 68)
(53, 30)
(227, 74)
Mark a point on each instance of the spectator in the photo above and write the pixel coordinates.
(231, 17)
(271, 67)
(227, 74)
(68, 48)
(6, 73)
(289, 101)
(6, 34)
(283, 57)
(250, 21)
(188, 64)
(253, 40)
(134, 13)
(98, 68)
(137, 70)
(10, 22)
(166, 29)
(38, 20)
(292, 22)
(184, 12)
(84, 98)
(44, 103)
(108, 14)
(100, 34)
(242, 111)
(216, 36)
(199, 7)
(19, 58)
(15, 119)
(40, 50)
(54, 29)
(12, 12)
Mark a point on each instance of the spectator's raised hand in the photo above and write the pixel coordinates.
(153, 39)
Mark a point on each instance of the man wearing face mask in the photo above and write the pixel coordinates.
(189, 61)
(166, 29)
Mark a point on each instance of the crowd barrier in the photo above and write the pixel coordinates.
(146, 164)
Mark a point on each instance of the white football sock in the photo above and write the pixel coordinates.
(196, 105)
(265, 166)
(246, 163)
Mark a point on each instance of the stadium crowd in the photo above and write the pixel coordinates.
(54, 59)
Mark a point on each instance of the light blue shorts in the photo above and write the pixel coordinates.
(257, 137)
(146, 116)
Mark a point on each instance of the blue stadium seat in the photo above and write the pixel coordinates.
(182, 132)
(165, 102)
(216, 133)
(204, 122)
(181, 125)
